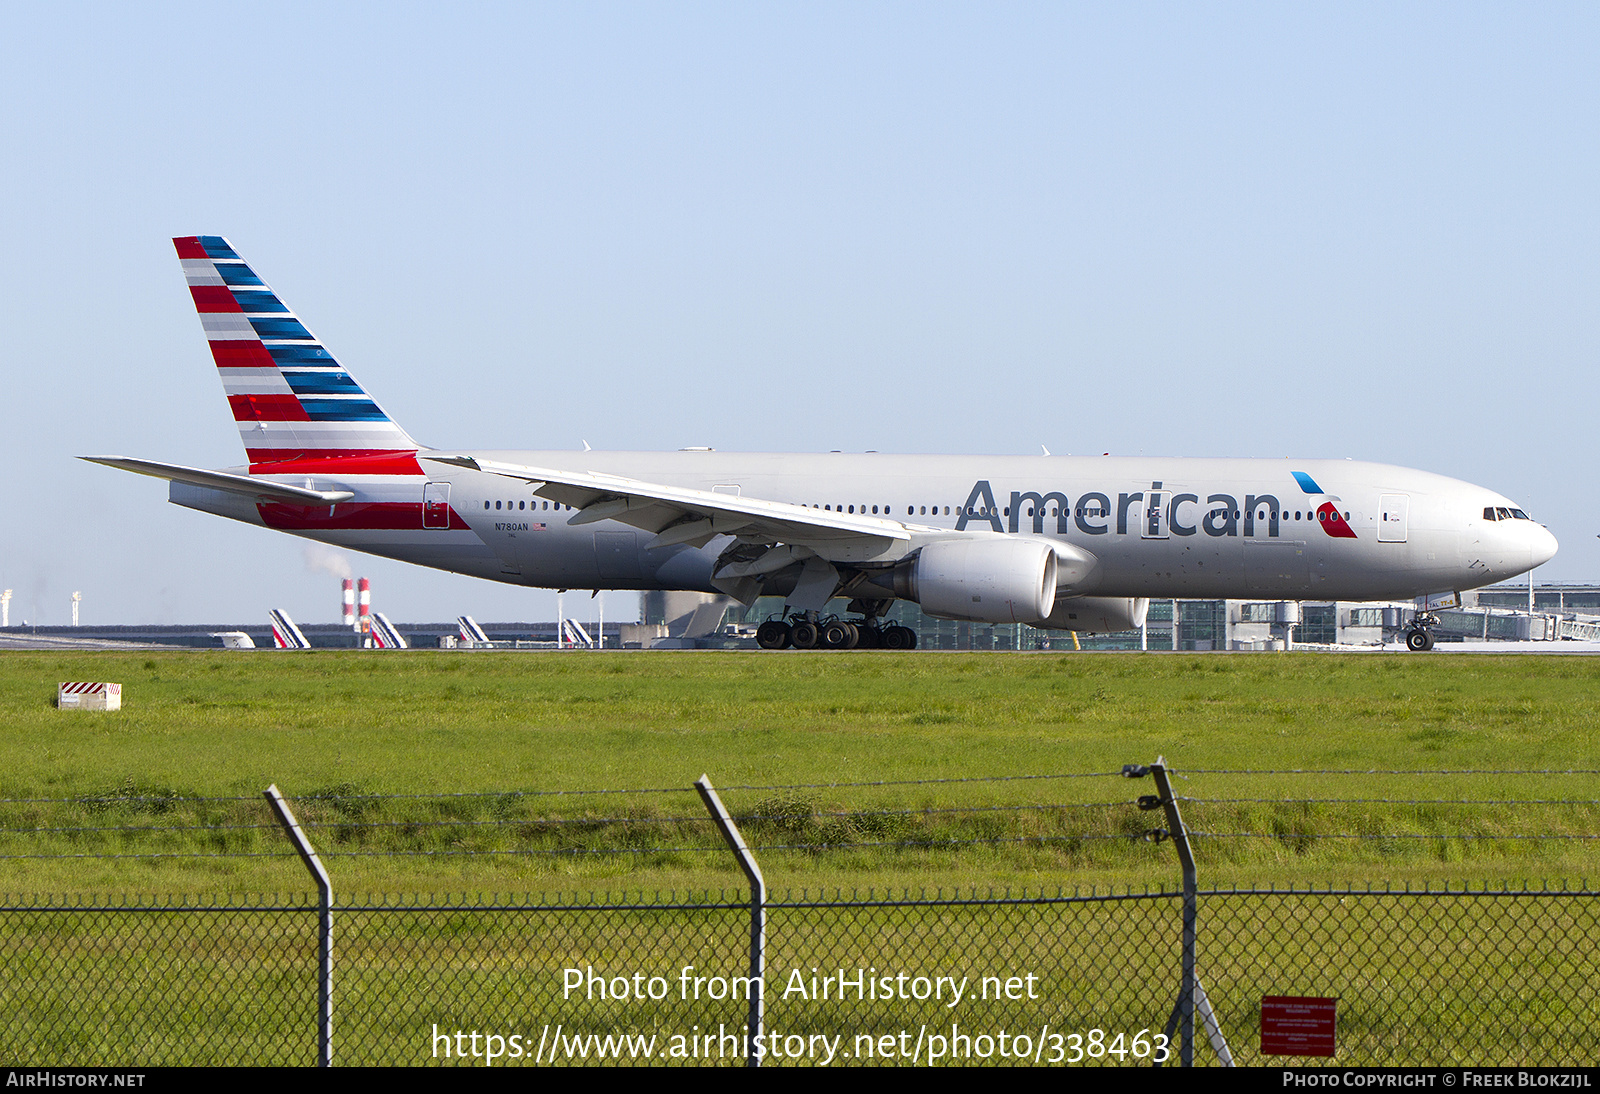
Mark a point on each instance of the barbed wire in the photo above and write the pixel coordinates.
(112, 799)
(1381, 771)
(1391, 801)
(464, 822)
(285, 853)
(109, 799)
(45, 830)
(928, 782)
(746, 818)
(906, 844)
(721, 849)
(1194, 833)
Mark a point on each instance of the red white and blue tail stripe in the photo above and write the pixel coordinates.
(292, 400)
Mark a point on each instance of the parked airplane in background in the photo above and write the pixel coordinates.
(1056, 542)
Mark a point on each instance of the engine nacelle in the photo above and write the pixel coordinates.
(1000, 580)
(1101, 614)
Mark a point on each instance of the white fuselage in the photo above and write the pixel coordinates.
(1157, 527)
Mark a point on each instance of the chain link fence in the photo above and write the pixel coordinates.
(1419, 977)
(1422, 978)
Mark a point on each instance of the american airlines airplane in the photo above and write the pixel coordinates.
(1056, 542)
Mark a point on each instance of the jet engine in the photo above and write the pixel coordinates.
(999, 580)
(1101, 614)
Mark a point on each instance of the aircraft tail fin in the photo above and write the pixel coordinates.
(385, 635)
(285, 634)
(291, 399)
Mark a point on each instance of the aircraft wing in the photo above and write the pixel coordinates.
(248, 485)
(680, 515)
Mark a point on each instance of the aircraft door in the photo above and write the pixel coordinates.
(1393, 510)
(436, 505)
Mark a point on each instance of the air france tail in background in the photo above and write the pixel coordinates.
(1056, 542)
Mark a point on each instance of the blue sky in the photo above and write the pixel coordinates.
(1223, 229)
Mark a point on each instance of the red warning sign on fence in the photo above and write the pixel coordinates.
(1297, 1025)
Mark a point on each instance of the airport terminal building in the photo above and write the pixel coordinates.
(1498, 612)
(682, 620)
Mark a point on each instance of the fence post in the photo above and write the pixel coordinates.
(758, 916)
(1183, 1013)
(319, 874)
(1192, 996)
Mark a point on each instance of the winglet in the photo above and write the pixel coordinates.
(1307, 483)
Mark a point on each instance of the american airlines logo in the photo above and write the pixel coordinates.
(1152, 514)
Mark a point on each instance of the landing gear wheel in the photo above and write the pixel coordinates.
(772, 635)
(1419, 641)
(899, 638)
(837, 635)
(804, 636)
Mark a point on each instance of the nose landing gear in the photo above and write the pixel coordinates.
(1419, 633)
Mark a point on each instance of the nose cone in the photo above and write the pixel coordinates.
(1544, 546)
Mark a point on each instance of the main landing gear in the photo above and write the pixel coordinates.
(811, 631)
(1419, 633)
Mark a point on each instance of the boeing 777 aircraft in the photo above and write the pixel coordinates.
(1056, 542)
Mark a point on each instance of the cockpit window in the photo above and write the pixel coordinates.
(1488, 513)
(1520, 515)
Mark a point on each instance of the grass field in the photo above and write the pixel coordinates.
(425, 773)
(330, 727)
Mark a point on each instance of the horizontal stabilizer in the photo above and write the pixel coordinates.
(249, 485)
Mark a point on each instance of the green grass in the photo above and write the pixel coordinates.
(785, 736)
(330, 727)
